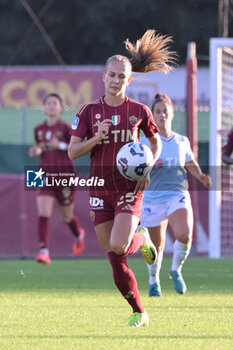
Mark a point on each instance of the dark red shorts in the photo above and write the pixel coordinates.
(105, 208)
(64, 196)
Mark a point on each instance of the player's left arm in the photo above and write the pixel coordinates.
(194, 169)
(156, 148)
(36, 149)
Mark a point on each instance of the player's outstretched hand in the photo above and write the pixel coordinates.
(205, 180)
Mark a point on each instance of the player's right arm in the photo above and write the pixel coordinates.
(78, 148)
(35, 151)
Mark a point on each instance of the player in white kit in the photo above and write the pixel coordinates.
(167, 199)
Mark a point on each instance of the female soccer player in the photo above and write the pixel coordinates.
(51, 143)
(109, 123)
(167, 200)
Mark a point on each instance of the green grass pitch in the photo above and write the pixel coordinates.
(73, 304)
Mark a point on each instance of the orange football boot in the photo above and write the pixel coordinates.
(43, 258)
(78, 245)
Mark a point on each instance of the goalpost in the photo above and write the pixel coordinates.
(221, 121)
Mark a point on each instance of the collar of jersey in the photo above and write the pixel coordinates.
(169, 139)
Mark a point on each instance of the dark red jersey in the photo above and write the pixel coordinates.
(128, 119)
(53, 157)
(229, 145)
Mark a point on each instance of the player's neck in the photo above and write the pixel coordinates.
(113, 100)
(165, 133)
(52, 120)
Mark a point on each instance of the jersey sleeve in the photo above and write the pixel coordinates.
(79, 127)
(189, 156)
(229, 144)
(148, 124)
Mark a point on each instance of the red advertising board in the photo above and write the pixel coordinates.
(26, 86)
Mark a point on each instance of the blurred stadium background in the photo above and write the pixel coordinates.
(54, 46)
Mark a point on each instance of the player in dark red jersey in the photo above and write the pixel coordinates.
(108, 124)
(51, 143)
(228, 149)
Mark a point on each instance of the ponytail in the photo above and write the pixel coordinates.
(151, 53)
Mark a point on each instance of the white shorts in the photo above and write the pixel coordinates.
(154, 214)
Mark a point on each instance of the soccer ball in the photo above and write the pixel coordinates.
(134, 160)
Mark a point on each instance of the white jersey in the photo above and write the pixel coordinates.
(168, 177)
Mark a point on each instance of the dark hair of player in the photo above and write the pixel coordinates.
(53, 94)
(161, 98)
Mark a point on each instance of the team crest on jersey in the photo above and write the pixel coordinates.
(133, 120)
(97, 116)
(75, 123)
(116, 119)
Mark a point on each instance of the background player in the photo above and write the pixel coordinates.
(228, 149)
(167, 200)
(51, 142)
(109, 123)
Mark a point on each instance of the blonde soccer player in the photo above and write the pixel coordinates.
(108, 123)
